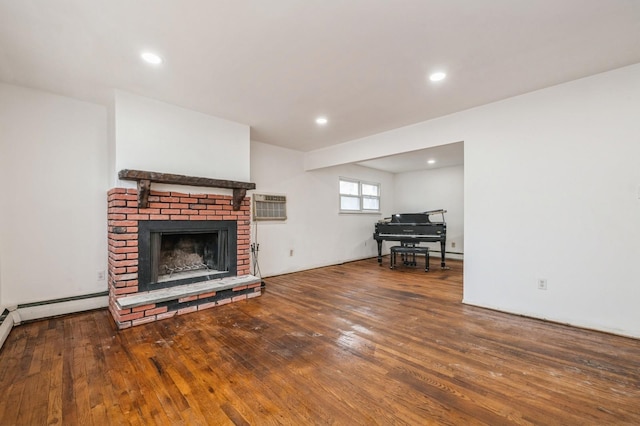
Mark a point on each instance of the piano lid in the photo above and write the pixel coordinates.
(415, 217)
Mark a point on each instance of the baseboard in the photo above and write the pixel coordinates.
(432, 254)
(454, 255)
(535, 316)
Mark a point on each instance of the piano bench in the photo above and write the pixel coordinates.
(405, 251)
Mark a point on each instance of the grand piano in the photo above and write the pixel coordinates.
(412, 228)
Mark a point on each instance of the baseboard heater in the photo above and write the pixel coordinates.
(16, 315)
(6, 324)
(55, 307)
(3, 316)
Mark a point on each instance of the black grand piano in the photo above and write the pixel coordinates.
(412, 228)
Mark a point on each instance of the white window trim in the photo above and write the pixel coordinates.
(359, 196)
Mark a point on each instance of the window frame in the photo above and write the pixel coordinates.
(360, 196)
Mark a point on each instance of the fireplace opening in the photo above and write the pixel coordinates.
(182, 252)
(187, 255)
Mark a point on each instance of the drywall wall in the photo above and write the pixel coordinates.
(551, 191)
(434, 189)
(551, 181)
(160, 137)
(53, 177)
(314, 230)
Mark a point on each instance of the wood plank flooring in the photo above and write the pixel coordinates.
(345, 345)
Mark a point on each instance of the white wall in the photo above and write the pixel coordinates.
(551, 184)
(314, 230)
(551, 191)
(159, 137)
(53, 176)
(441, 188)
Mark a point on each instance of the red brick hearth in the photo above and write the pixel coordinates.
(124, 216)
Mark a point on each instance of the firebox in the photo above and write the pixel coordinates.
(177, 252)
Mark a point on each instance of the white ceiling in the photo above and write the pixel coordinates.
(444, 156)
(276, 65)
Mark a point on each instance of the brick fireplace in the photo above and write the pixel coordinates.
(221, 230)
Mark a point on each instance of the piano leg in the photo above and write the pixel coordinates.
(443, 246)
(379, 252)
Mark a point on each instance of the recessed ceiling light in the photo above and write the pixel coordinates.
(321, 120)
(151, 58)
(437, 76)
(431, 162)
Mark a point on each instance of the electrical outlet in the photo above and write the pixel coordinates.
(100, 275)
(453, 244)
(291, 252)
(542, 283)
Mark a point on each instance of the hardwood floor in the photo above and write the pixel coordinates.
(348, 344)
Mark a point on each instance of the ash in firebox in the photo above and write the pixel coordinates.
(179, 259)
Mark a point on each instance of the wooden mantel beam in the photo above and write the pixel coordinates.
(145, 179)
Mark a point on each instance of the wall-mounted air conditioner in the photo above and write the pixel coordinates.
(269, 207)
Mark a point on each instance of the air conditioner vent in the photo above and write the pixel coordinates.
(269, 207)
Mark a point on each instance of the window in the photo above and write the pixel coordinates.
(359, 197)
